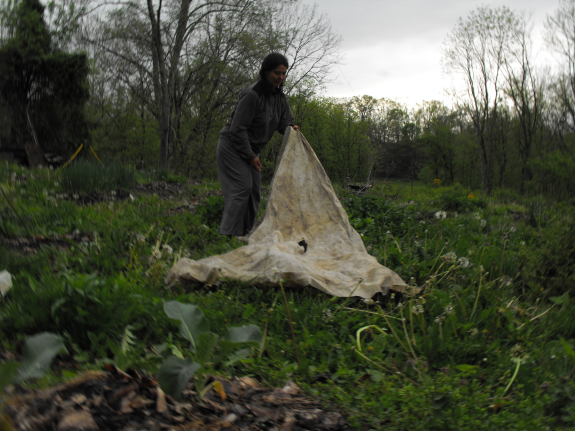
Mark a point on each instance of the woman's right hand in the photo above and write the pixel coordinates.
(256, 164)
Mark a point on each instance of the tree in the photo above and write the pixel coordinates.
(525, 89)
(305, 36)
(476, 49)
(196, 57)
(42, 89)
(438, 139)
(560, 36)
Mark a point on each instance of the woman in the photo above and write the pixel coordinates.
(261, 110)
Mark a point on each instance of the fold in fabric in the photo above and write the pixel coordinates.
(302, 205)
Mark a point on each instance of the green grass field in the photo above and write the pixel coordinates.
(487, 345)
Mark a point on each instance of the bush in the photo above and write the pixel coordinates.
(548, 265)
(212, 211)
(506, 196)
(459, 200)
(85, 177)
(166, 176)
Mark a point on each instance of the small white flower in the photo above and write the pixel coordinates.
(449, 309)
(483, 222)
(463, 262)
(369, 301)
(275, 274)
(522, 243)
(516, 350)
(449, 257)
(168, 249)
(156, 254)
(140, 238)
(417, 309)
(477, 216)
(132, 198)
(439, 319)
(113, 193)
(513, 229)
(440, 215)
(75, 196)
(473, 332)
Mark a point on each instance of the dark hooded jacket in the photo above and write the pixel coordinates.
(259, 112)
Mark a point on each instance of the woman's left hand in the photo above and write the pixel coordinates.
(295, 127)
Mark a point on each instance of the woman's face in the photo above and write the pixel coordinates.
(276, 76)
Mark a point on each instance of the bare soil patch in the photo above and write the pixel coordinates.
(128, 402)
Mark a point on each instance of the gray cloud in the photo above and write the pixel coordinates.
(393, 48)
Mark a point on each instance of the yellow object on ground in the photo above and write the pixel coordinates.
(302, 205)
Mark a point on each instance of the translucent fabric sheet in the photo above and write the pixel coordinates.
(302, 207)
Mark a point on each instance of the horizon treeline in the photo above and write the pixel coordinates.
(163, 79)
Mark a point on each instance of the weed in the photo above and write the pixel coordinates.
(176, 372)
(85, 177)
(486, 345)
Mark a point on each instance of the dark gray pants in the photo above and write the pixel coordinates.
(241, 186)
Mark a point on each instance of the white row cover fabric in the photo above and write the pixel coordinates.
(302, 205)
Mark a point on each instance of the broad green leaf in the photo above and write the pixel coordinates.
(567, 348)
(205, 347)
(250, 334)
(192, 321)
(39, 351)
(174, 375)
(238, 356)
(560, 299)
(8, 373)
(466, 367)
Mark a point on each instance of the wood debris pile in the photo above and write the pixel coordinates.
(118, 401)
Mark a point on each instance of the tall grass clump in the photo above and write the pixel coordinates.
(85, 177)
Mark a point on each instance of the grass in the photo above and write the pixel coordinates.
(488, 345)
(85, 177)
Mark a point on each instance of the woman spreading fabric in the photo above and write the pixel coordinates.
(262, 109)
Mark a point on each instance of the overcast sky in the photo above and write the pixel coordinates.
(392, 48)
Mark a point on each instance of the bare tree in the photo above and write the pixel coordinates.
(152, 38)
(560, 36)
(197, 55)
(475, 49)
(525, 89)
(305, 36)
